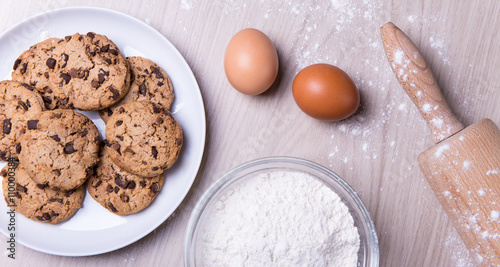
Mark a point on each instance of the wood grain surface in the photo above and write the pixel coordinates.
(375, 150)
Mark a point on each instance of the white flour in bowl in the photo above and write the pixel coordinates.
(280, 219)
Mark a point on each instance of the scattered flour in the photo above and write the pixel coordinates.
(187, 5)
(467, 165)
(439, 151)
(280, 219)
(495, 171)
(427, 108)
(495, 215)
(481, 192)
(438, 122)
(398, 57)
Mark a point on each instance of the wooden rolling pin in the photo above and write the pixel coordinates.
(463, 168)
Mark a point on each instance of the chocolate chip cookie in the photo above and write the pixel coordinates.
(17, 105)
(60, 149)
(145, 138)
(86, 72)
(119, 191)
(37, 202)
(148, 81)
(35, 67)
(90, 70)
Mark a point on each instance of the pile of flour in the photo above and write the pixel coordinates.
(280, 219)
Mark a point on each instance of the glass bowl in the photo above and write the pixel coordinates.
(368, 254)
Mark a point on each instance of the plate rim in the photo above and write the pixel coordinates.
(203, 126)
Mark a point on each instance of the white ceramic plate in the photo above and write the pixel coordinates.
(94, 230)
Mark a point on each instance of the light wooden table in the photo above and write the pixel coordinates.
(374, 151)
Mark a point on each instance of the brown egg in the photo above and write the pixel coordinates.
(325, 92)
(251, 62)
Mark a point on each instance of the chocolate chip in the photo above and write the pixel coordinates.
(65, 59)
(41, 186)
(124, 198)
(106, 142)
(80, 38)
(40, 218)
(107, 60)
(154, 152)
(105, 48)
(117, 189)
(120, 137)
(22, 104)
(7, 126)
(101, 77)
(63, 103)
(155, 108)
(16, 63)
(21, 188)
(91, 35)
(18, 148)
(178, 141)
(50, 62)
(116, 147)
(69, 149)
(119, 122)
(142, 184)
(121, 110)
(120, 181)
(67, 38)
(3, 155)
(155, 169)
(159, 120)
(28, 103)
(46, 74)
(66, 77)
(109, 188)
(56, 116)
(3, 172)
(115, 93)
(131, 185)
(158, 73)
(84, 133)
(142, 89)
(53, 214)
(56, 137)
(94, 83)
(69, 192)
(24, 68)
(46, 216)
(113, 51)
(113, 209)
(159, 84)
(56, 199)
(29, 87)
(97, 184)
(73, 73)
(89, 171)
(32, 124)
(155, 188)
(47, 100)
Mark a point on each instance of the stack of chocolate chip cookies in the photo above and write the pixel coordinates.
(59, 151)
